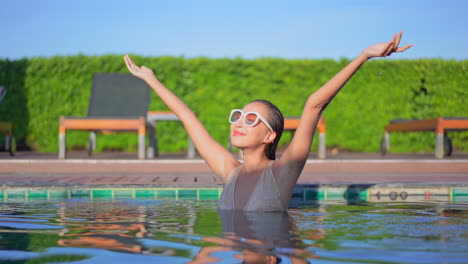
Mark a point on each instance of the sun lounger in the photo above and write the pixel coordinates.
(440, 125)
(118, 102)
(7, 129)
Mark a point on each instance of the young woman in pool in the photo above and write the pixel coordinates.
(261, 182)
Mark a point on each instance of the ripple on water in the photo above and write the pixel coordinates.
(130, 230)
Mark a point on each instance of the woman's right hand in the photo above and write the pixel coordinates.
(142, 72)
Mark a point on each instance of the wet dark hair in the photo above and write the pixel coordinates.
(276, 121)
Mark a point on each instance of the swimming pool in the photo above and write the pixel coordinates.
(103, 229)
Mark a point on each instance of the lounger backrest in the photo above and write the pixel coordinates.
(118, 96)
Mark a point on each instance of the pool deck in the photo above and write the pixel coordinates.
(114, 170)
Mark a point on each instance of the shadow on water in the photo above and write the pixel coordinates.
(14, 106)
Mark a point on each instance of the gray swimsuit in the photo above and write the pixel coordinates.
(265, 197)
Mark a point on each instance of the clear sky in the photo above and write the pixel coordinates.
(307, 29)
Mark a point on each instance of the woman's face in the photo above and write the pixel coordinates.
(243, 136)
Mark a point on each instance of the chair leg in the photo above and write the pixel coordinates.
(91, 143)
(152, 146)
(7, 142)
(439, 148)
(191, 149)
(141, 146)
(448, 147)
(385, 144)
(62, 146)
(12, 145)
(322, 151)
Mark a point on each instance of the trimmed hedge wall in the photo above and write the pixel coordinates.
(42, 89)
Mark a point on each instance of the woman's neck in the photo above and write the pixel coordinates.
(255, 160)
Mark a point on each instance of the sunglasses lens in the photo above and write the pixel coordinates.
(235, 116)
(250, 119)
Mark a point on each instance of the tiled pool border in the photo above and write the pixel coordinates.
(303, 194)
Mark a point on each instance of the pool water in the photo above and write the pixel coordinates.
(190, 231)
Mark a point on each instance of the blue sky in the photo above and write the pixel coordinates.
(235, 28)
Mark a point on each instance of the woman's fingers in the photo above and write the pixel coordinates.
(401, 49)
(388, 49)
(404, 48)
(398, 39)
(393, 44)
(127, 59)
(130, 64)
(393, 47)
(126, 62)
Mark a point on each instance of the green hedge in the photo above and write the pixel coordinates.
(42, 89)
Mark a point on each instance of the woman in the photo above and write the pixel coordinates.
(261, 183)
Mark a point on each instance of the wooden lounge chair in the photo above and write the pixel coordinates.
(291, 124)
(440, 125)
(118, 102)
(7, 128)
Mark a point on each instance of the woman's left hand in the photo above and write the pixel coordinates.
(142, 72)
(386, 48)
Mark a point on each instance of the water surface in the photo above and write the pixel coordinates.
(187, 231)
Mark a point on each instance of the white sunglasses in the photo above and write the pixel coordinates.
(250, 118)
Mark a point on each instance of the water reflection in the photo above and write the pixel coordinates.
(254, 237)
(150, 231)
(110, 226)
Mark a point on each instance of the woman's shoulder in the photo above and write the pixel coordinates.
(231, 170)
(286, 172)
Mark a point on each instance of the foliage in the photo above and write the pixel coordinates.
(40, 90)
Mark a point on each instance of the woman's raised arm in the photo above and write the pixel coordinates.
(295, 156)
(220, 160)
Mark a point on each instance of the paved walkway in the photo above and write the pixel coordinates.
(29, 169)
